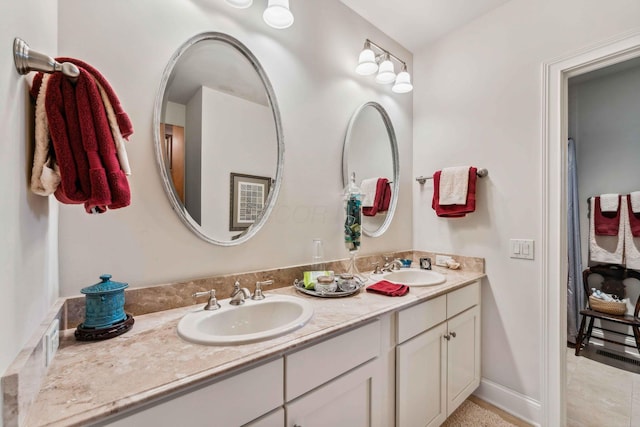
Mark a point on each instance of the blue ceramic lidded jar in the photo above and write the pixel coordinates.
(104, 303)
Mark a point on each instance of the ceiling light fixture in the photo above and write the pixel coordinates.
(369, 62)
(276, 15)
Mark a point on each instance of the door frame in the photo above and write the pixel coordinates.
(555, 76)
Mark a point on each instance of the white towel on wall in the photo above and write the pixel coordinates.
(635, 201)
(607, 249)
(368, 189)
(631, 244)
(454, 185)
(609, 202)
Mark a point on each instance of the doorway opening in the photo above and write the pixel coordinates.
(554, 211)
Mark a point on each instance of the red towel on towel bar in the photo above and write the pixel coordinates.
(455, 211)
(606, 223)
(83, 143)
(634, 219)
(124, 123)
(381, 200)
(387, 288)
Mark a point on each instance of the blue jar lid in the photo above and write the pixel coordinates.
(105, 286)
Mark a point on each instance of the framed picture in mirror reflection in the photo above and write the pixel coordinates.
(247, 199)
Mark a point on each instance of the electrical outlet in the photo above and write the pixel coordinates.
(51, 341)
(441, 260)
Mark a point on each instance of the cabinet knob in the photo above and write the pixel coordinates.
(453, 334)
(447, 337)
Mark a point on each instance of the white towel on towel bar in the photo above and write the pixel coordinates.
(608, 249)
(454, 185)
(609, 202)
(368, 188)
(635, 201)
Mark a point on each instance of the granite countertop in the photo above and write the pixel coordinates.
(88, 381)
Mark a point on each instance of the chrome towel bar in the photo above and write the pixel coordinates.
(26, 60)
(480, 172)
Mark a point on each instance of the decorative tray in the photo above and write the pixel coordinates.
(299, 285)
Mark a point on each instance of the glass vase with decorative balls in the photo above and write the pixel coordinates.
(353, 221)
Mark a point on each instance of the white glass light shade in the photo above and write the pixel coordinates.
(403, 83)
(367, 64)
(240, 4)
(386, 73)
(278, 15)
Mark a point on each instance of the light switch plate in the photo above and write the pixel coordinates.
(521, 248)
(51, 341)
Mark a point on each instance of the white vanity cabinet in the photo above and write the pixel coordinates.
(337, 382)
(233, 401)
(437, 356)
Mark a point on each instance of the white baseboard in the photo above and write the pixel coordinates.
(511, 401)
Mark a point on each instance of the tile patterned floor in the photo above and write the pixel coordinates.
(599, 395)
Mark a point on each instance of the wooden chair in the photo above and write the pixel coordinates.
(613, 277)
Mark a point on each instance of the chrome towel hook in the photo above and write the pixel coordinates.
(26, 60)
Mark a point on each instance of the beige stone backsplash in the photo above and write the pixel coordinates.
(162, 297)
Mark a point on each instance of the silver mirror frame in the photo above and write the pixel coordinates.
(394, 154)
(176, 204)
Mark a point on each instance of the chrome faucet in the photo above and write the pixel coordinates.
(239, 294)
(258, 295)
(396, 264)
(212, 304)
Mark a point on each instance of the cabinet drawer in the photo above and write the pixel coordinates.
(230, 402)
(313, 366)
(420, 317)
(462, 299)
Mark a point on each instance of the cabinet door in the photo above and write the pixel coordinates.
(420, 379)
(273, 419)
(350, 400)
(463, 356)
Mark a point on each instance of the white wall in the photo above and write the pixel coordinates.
(28, 231)
(238, 136)
(478, 94)
(312, 72)
(603, 120)
(192, 158)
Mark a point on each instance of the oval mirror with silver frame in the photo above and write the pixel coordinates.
(371, 152)
(218, 139)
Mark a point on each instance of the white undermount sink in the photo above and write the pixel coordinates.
(414, 277)
(250, 322)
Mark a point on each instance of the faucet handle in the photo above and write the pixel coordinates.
(212, 304)
(258, 295)
(376, 268)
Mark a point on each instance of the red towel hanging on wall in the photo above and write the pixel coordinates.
(455, 211)
(606, 223)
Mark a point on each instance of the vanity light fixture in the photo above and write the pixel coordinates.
(403, 82)
(240, 4)
(386, 73)
(369, 62)
(276, 15)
